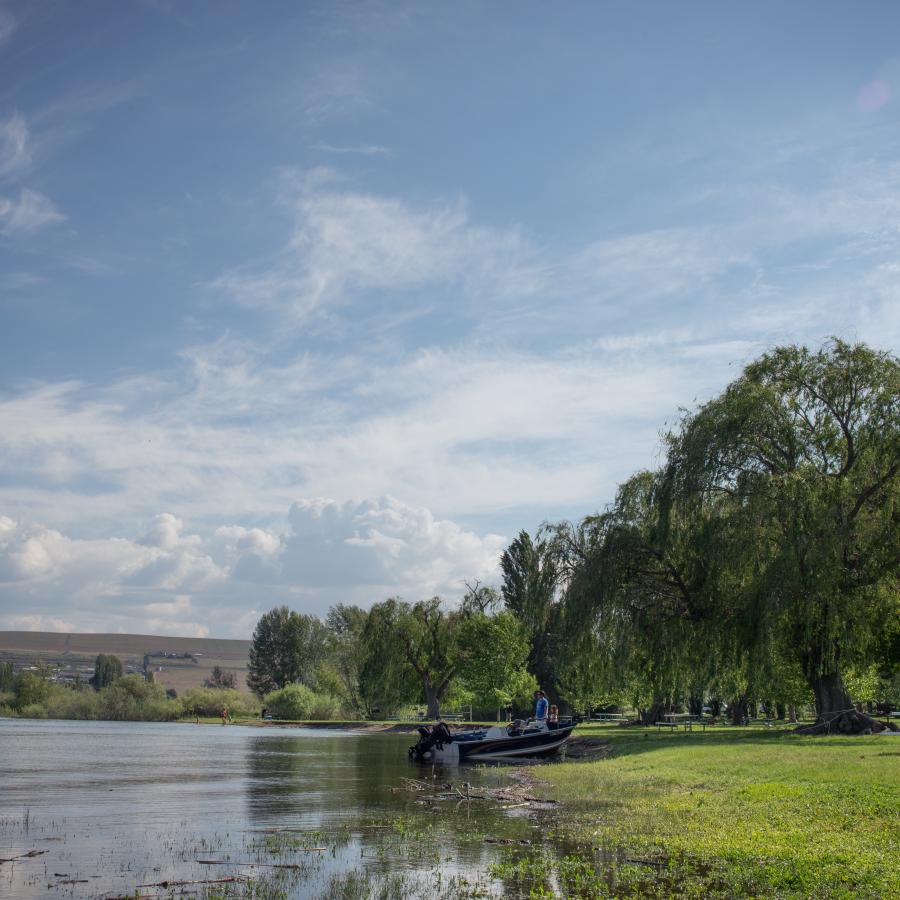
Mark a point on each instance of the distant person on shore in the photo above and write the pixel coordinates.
(264, 713)
(540, 706)
(224, 715)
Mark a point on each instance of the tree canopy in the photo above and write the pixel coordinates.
(287, 647)
(766, 546)
(107, 669)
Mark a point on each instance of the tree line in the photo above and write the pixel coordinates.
(374, 663)
(758, 562)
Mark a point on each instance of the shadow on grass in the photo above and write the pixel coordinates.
(632, 740)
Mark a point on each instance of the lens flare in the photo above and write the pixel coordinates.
(873, 95)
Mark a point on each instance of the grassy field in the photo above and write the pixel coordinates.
(735, 812)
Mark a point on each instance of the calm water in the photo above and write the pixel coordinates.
(118, 805)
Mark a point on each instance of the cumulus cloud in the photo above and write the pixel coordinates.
(175, 582)
(384, 547)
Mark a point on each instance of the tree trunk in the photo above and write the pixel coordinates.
(737, 709)
(779, 711)
(433, 701)
(835, 712)
(792, 714)
(652, 714)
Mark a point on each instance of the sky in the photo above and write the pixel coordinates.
(311, 303)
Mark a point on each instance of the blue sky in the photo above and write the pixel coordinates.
(311, 303)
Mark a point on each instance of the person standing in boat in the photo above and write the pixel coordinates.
(540, 706)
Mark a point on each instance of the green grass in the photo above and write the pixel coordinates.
(736, 811)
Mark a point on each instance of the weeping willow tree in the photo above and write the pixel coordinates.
(795, 466)
(636, 596)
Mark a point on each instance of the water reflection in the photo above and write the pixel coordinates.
(116, 805)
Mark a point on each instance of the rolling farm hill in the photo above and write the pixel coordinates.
(176, 662)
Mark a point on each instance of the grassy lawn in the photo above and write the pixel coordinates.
(736, 811)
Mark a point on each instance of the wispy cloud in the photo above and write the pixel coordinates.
(8, 23)
(340, 89)
(347, 242)
(29, 213)
(15, 154)
(358, 149)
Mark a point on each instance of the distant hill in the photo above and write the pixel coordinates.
(176, 662)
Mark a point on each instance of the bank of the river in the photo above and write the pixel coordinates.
(739, 812)
(361, 725)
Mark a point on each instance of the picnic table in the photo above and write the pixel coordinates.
(686, 720)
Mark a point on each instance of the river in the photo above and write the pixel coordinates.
(112, 806)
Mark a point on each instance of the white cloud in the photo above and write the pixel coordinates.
(382, 547)
(342, 88)
(15, 154)
(179, 583)
(30, 213)
(552, 390)
(8, 23)
(345, 243)
(353, 149)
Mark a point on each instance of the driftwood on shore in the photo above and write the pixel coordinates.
(27, 855)
(169, 884)
(258, 865)
(432, 793)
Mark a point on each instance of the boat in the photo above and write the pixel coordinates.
(514, 741)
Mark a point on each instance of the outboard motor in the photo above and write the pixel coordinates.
(430, 737)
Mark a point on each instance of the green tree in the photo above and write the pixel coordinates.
(346, 656)
(386, 680)
(286, 647)
(106, 670)
(6, 676)
(221, 678)
(796, 465)
(493, 659)
(529, 590)
(31, 689)
(406, 644)
(635, 602)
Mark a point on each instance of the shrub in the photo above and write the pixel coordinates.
(209, 702)
(134, 699)
(326, 706)
(65, 703)
(294, 701)
(31, 690)
(33, 711)
(297, 701)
